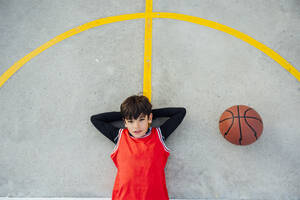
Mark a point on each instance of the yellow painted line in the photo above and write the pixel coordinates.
(147, 50)
(197, 20)
(147, 81)
(17, 65)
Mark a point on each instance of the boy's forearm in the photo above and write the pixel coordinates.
(167, 112)
(108, 116)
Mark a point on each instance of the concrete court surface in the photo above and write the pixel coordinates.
(48, 146)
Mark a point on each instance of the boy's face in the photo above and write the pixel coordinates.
(138, 127)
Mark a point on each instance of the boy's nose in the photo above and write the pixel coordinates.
(136, 125)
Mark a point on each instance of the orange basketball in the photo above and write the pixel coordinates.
(241, 125)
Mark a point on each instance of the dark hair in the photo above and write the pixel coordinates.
(135, 105)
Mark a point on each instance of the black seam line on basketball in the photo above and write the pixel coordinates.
(225, 119)
(238, 110)
(251, 117)
(232, 115)
(247, 111)
(231, 123)
(249, 124)
(241, 117)
(251, 128)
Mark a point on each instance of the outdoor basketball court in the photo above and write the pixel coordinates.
(63, 61)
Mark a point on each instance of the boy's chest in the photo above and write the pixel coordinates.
(140, 155)
(141, 150)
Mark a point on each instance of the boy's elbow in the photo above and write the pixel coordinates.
(92, 119)
(183, 111)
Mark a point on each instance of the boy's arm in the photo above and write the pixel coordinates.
(176, 115)
(102, 123)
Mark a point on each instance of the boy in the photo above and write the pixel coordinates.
(140, 153)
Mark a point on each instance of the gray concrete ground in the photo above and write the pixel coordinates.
(48, 146)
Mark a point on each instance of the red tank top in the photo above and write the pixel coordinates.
(140, 163)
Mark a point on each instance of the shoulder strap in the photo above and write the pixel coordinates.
(118, 140)
(161, 139)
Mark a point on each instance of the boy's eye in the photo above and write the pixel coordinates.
(131, 121)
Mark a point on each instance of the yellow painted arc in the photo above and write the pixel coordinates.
(17, 65)
(197, 20)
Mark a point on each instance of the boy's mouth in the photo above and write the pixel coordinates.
(137, 131)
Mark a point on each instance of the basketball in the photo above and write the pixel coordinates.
(241, 125)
